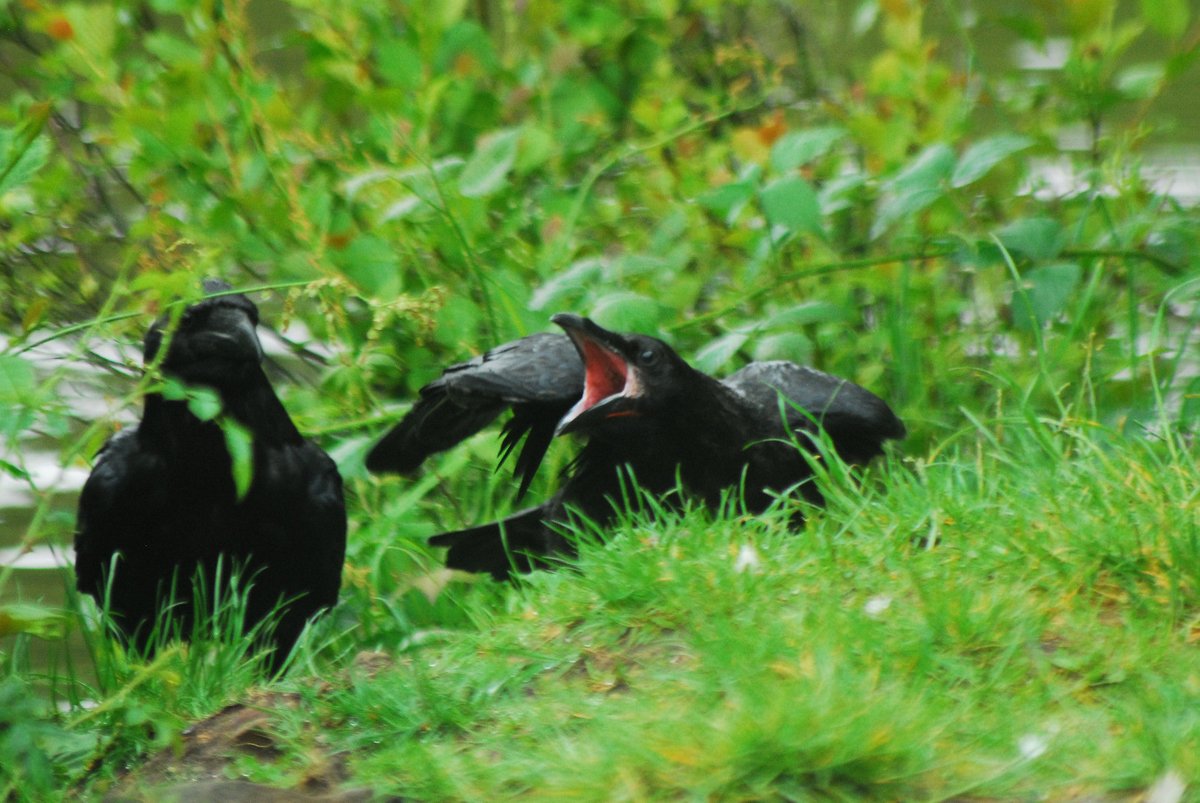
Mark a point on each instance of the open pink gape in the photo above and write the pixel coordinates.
(606, 375)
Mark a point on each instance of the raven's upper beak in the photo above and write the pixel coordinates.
(608, 373)
(232, 334)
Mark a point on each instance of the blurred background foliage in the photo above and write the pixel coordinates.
(877, 190)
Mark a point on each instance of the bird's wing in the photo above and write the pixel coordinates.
(325, 532)
(539, 377)
(857, 421)
(120, 498)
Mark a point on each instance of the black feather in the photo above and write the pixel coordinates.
(162, 499)
(648, 415)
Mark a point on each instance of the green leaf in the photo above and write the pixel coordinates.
(15, 471)
(805, 313)
(537, 147)
(372, 264)
(794, 346)
(465, 39)
(240, 444)
(36, 620)
(637, 264)
(488, 168)
(839, 193)
(728, 200)
(17, 380)
(571, 282)
(400, 63)
(1168, 17)
(894, 208)
(792, 203)
(23, 152)
(717, 353)
(1044, 293)
(624, 311)
(915, 187)
(1142, 81)
(928, 170)
(1038, 238)
(800, 147)
(982, 156)
(95, 27)
(204, 403)
(172, 49)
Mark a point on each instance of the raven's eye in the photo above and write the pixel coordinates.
(648, 356)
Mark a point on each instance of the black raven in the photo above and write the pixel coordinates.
(161, 506)
(646, 413)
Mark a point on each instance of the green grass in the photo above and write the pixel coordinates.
(1014, 617)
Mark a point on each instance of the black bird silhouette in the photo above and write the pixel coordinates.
(163, 500)
(646, 413)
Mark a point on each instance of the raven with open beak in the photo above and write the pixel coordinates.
(648, 417)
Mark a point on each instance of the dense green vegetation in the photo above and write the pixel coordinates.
(1008, 607)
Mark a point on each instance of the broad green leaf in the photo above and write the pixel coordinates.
(17, 380)
(1142, 81)
(372, 264)
(903, 205)
(794, 346)
(714, 356)
(918, 185)
(1168, 17)
(487, 169)
(400, 63)
(792, 203)
(537, 148)
(982, 156)
(928, 170)
(409, 177)
(91, 54)
(628, 265)
(1038, 238)
(401, 208)
(624, 311)
(797, 148)
(204, 403)
(36, 620)
(728, 200)
(805, 313)
(465, 47)
(1043, 293)
(838, 193)
(23, 151)
(172, 49)
(572, 281)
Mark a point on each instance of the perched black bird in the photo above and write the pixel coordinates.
(162, 497)
(646, 412)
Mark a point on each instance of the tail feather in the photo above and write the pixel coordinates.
(519, 543)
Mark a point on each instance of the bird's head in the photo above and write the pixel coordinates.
(214, 339)
(626, 377)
